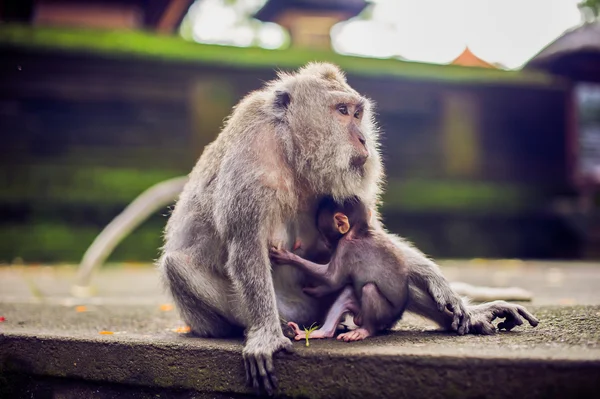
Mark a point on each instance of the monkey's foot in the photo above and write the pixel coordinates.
(514, 315)
(355, 335)
(288, 331)
(301, 334)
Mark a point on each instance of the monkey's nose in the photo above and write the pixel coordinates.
(364, 151)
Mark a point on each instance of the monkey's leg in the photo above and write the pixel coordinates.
(201, 297)
(319, 290)
(345, 302)
(375, 311)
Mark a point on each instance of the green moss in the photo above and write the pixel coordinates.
(49, 242)
(49, 183)
(146, 45)
(447, 195)
(164, 381)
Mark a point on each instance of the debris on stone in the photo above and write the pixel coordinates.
(567, 301)
(308, 331)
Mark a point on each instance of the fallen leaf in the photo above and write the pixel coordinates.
(106, 333)
(479, 261)
(167, 307)
(567, 301)
(2, 319)
(134, 265)
(80, 309)
(182, 330)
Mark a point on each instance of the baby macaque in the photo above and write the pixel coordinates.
(365, 267)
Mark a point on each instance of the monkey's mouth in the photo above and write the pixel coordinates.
(357, 162)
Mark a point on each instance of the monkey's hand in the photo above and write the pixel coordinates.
(281, 256)
(513, 315)
(447, 299)
(258, 358)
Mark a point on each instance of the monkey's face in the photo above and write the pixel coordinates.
(331, 133)
(350, 116)
(332, 226)
(333, 138)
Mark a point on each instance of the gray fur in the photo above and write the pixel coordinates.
(257, 185)
(364, 259)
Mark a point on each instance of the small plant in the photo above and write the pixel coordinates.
(308, 331)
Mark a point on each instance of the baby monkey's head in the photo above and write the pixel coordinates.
(335, 219)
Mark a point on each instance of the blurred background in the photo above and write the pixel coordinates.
(490, 112)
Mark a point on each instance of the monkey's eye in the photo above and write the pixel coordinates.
(357, 114)
(343, 109)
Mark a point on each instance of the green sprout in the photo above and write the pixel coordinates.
(308, 331)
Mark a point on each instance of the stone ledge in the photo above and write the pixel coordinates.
(559, 358)
(216, 368)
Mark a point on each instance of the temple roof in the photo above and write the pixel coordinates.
(273, 8)
(156, 14)
(581, 39)
(575, 54)
(467, 58)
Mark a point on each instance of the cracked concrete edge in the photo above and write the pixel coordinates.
(218, 368)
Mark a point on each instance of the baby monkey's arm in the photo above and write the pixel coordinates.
(285, 257)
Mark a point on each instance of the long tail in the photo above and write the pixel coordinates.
(150, 201)
(486, 294)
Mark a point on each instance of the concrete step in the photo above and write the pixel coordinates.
(58, 351)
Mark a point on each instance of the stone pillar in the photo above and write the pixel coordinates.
(461, 137)
(210, 103)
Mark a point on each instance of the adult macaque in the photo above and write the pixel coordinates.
(302, 137)
(366, 269)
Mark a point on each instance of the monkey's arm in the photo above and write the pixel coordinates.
(436, 298)
(481, 316)
(427, 276)
(245, 229)
(430, 295)
(324, 273)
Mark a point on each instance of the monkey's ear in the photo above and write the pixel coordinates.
(282, 99)
(341, 222)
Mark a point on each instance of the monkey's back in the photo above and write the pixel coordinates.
(376, 259)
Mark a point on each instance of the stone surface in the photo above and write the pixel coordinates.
(48, 343)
